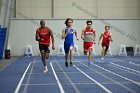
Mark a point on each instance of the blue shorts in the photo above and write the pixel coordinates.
(67, 47)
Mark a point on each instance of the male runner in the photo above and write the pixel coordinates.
(88, 35)
(43, 35)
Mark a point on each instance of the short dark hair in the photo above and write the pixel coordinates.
(107, 26)
(42, 21)
(89, 21)
(66, 22)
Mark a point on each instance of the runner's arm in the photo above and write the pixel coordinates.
(63, 34)
(94, 33)
(82, 35)
(52, 37)
(76, 35)
(100, 38)
(111, 37)
(37, 37)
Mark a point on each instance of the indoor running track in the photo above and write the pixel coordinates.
(111, 75)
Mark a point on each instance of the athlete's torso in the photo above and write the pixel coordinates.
(44, 34)
(106, 38)
(89, 35)
(70, 35)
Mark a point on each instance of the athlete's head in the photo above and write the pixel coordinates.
(89, 23)
(107, 28)
(69, 22)
(42, 23)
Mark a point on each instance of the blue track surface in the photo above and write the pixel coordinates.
(111, 75)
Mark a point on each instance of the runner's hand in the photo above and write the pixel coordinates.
(83, 38)
(77, 39)
(66, 34)
(111, 40)
(53, 47)
(41, 39)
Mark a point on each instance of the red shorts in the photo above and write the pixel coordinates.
(88, 45)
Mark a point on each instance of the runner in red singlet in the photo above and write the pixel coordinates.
(106, 35)
(88, 35)
(43, 35)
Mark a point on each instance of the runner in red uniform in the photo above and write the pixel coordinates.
(88, 35)
(43, 35)
(106, 35)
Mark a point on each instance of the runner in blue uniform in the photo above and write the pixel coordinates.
(68, 34)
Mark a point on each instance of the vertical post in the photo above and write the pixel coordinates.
(53, 8)
(98, 8)
(14, 9)
(4, 8)
(0, 10)
(8, 20)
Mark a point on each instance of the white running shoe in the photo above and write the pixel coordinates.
(45, 69)
(102, 58)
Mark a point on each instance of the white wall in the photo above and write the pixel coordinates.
(79, 9)
(33, 8)
(126, 9)
(22, 33)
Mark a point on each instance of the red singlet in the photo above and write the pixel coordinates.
(44, 34)
(106, 38)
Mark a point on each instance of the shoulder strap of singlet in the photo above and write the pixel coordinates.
(103, 33)
(107, 33)
(65, 28)
(92, 29)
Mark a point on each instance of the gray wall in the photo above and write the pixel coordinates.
(22, 33)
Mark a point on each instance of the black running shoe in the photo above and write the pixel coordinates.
(66, 64)
(71, 64)
(88, 63)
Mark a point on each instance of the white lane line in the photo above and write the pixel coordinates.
(117, 59)
(127, 71)
(135, 59)
(55, 84)
(21, 80)
(115, 82)
(125, 67)
(41, 84)
(73, 85)
(130, 62)
(79, 72)
(61, 72)
(100, 61)
(63, 60)
(131, 59)
(29, 77)
(58, 82)
(117, 74)
(134, 63)
(99, 84)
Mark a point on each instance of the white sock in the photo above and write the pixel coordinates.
(45, 66)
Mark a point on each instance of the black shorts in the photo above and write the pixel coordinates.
(105, 46)
(44, 47)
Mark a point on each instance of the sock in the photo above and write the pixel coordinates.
(45, 66)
